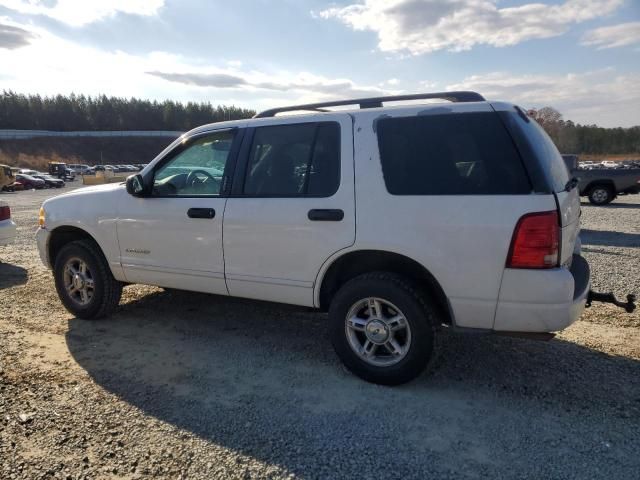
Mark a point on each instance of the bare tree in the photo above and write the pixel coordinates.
(547, 116)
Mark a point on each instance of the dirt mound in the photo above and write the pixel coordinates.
(36, 153)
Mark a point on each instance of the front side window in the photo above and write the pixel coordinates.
(294, 160)
(453, 154)
(197, 169)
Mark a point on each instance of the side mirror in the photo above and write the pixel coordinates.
(135, 185)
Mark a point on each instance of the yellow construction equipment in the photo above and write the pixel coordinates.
(103, 176)
(6, 176)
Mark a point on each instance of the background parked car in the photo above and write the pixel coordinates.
(7, 226)
(49, 181)
(80, 169)
(30, 182)
(602, 185)
(13, 187)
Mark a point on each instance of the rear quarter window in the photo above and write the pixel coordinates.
(452, 154)
(544, 161)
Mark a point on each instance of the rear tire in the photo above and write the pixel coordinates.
(84, 281)
(601, 195)
(369, 335)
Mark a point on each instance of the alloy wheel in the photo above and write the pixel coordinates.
(378, 332)
(78, 281)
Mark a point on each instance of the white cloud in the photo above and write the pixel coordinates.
(620, 35)
(49, 65)
(13, 36)
(429, 85)
(423, 26)
(603, 97)
(312, 86)
(82, 12)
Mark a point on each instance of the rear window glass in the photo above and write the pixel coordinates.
(461, 154)
(540, 153)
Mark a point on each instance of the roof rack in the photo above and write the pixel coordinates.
(375, 102)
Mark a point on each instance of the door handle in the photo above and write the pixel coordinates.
(201, 213)
(326, 215)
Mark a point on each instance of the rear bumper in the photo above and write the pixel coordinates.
(7, 232)
(542, 300)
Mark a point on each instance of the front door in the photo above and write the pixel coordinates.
(291, 208)
(173, 236)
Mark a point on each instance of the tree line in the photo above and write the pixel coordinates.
(80, 112)
(572, 137)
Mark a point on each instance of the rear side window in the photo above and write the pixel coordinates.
(540, 153)
(294, 160)
(460, 154)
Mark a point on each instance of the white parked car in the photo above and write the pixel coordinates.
(80, 169)
(396, 220)
(7, 225)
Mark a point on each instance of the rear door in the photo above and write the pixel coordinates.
(292, 207)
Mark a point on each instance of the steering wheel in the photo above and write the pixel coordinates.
(192, 178)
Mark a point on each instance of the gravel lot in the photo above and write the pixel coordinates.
(181, 385)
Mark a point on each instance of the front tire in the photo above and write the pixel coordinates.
(601, 195)
(84, 281)
(383, 328)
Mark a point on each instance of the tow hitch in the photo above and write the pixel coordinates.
(629, 305)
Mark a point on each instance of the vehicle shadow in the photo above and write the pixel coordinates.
(609, 238)
(612, 205)
(12, 275)
(262, 379)
(604, 251)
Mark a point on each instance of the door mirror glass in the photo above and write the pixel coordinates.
(135, 185)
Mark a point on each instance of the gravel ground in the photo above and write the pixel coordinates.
(182, 385)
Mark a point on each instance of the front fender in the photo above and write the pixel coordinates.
(94, 211)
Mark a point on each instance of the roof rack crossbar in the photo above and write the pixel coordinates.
(375, 102)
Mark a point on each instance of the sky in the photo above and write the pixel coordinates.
(581, 57)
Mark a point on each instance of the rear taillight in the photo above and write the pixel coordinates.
(5, 213)
(535, 242)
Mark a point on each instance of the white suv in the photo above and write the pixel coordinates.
(396, 220)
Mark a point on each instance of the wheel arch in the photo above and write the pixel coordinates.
(64, 234)
(600, 182)
(357, 262)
